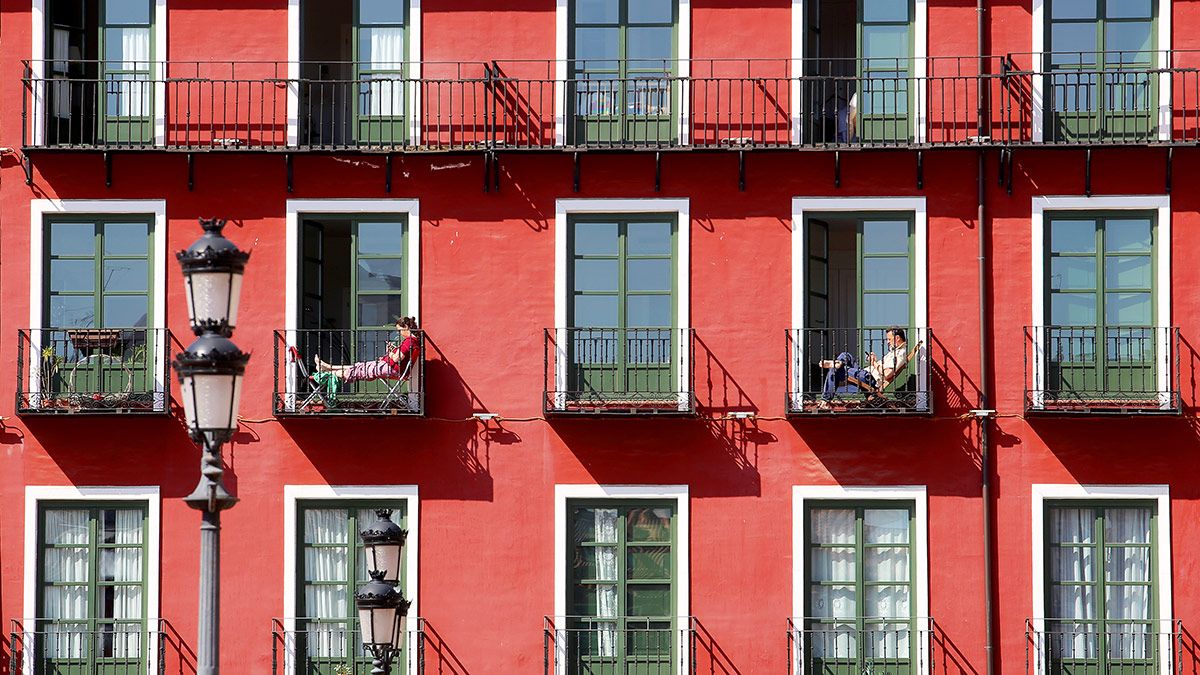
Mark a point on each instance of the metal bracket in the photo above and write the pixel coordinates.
(1087, 174)
(387, 174)
(837, 168)
(1009, 176)
(291, 172)
(496, 172)
(1170, 167)
(191, 163)
(741, 170)
(577, 172)
(108, 162)
(27, 162)
(920, 169)
(487, 172)
(658, 172)
(1003, 170)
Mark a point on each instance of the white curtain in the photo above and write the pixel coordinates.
(1127, 560)
(129, 94)
(606, 569)
(326, 564)
(834, 564)
(66, 566)
(384, 94)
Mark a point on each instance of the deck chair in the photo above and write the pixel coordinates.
(876, 394)
(394, 394)
(315, 394)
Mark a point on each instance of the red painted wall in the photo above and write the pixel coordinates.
(487, 529)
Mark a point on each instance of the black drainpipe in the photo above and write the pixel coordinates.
(983, 415)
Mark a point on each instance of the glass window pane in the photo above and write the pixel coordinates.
(595, 563)
(648, 275)
(71, 311)
(648, 311)
(65, 564)
(818, 277)
(886, 564)
(326, 563)
(66, 526)
(1128, 602)
(885, 236)
(885, 309)
(649, 238)
(326, 526)
(1127, 272)
(380, 274)
(1073, 9)
(379, 310)
(885, 42)
(597, 11)
(832, 526)
(1072, 526)
(596, 525)
(649, 600)
(1073, 236)
(1127, 235)
(126, 275)
(834, 602)
(1129, 9)
(381, 49)
(1128, 36)
(124, 311)
(380, 238)
(1072, 309)
(652, 11)
(121, 564)
(1129, 309)
(1072, 563)
(885, 526)
(1127, 563)
(885, 10)
(650, 44)
(72, 275)
(818, 241)
(73, 239)
(1127, 526)
(885, 274)
(648, 562)
(1072, 273)
(1073, 37)
(597, 44)
(596, 275)
(381, 11)
(127, 49)
(1071, 601)
(886, 601)
(833, 564)
(648, 524)
(126, 239)
(595, 238)
(326, 600)
(599, 311)
(127, 11)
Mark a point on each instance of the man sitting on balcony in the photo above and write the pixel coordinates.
(879, 373)
(392, 365)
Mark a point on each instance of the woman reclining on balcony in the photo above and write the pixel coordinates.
(392, 365)
(878, 374)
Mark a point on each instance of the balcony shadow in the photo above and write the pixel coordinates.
(439, 658)
(717, 393)
(1188, 652)
(446, 452)
(710, 659)
(946, 657)
(177, 656)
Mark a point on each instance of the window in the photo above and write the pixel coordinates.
(92, 589)
(860, 579)
(622, 70)
(1100, 338)
(333, 569)
(1101, 56)
(621, 586)
(1100, 588)
(622, 309)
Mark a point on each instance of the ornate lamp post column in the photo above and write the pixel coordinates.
(382, 610)
(210, 375)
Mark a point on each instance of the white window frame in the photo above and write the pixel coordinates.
(38, 72)
(412, 95)
(565, 493)
(1160, 495)
(1161, 204)
(563, 210)
(39, 210)
(802, 207)
(920, 66)
(297, 208)
(807, 495)
(562, 57)
(1040, 24)
(148, 495)
(293, 495)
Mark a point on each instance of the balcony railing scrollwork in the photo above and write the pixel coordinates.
(309, 646)
(1096, 647)
(858, 371)
(860, 646)
(95, 646)
(579, 645)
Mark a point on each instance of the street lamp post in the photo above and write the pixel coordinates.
(210, 375)
(382, 610)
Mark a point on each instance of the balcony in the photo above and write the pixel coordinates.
(392, 390)
(851, 645)
(1101, 370)
(576, 645)
(334, 647)
(619, 371)
(93, 371)
(884, 390)
(99, 646)
(1085, 647)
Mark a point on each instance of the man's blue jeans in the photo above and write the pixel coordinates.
(836, 377)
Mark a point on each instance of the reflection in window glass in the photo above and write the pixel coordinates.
(381, 11)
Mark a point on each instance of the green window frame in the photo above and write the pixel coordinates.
(623, 590)
(92, 565)
(382, 88)
(127, 100)
(1099, 62)
(1101, 568)
(619, 286)
(326, 557)
(856, 555)
(1099, 264)
(622, 70)
(887, 51)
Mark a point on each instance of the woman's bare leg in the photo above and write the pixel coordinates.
(323, 367)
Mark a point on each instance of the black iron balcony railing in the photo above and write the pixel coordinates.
(582, 645)
(306, 646)
(892, 646)
(374, 373)
(93, 370)
(1092, 647)
(830, 371)
(1102, 369)
(93, 646)
(619, 371)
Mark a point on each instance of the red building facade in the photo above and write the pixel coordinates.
(630, 233)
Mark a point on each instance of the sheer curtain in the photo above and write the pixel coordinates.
(326, 562)
(1127, 561)
(124, 565)
(886, 563)
(1072, 631)
(833, 596)
(384, 93)
(606, 569)
(65, 604)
